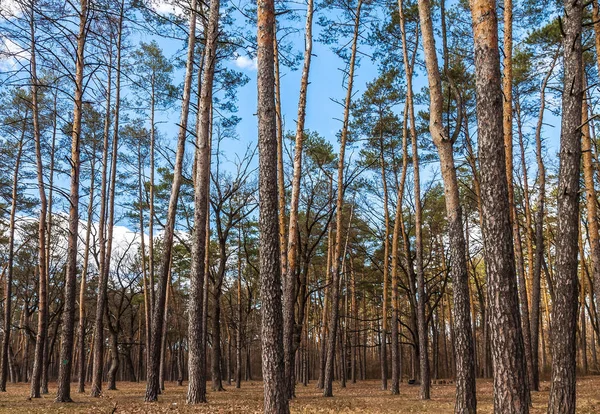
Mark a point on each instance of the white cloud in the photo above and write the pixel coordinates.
(166, 7)
(9, 8)
(11, 53)
(244, 62)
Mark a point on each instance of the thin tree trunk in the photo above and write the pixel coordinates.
(102, 301)
(280, 171)
(153, 386)
(322, 341)
(97, 382)
(4, 362)
(145, 284)
(335, 268)
(46, 356)
(66, 350)
(42, 327)
(163, 346)
(507, 107)
(539, 234)
(291, 267)
(82, 285)
(238, 337)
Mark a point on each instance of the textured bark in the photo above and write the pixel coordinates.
(66, 350)
(337, 250)
(564, 309)
(291, 267)
(4, 363)
(539, 234)
(463, 340)
(153, 386)
(273, 366)
(510, 380)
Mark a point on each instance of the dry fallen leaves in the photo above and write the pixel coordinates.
(362, 397)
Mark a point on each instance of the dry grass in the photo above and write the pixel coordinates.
(363, 397)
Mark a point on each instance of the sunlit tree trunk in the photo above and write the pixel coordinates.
(510, 377)
(273, 366)
(463, 341)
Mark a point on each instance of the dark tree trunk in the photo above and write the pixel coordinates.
(114, 358)
(564, 309)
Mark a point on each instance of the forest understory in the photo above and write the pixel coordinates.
(362, 397)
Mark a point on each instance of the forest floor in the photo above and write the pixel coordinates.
(362, 397)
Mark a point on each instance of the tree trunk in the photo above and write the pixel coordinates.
(564, 309)
(238, 333)
(591, 199)
(322, 341)
(291, 267)
(510, 380)
(66, 350)
(42, 327)
(4, 363)
(113, 341)
(102, 301)
(335, 265)
(275, 396)
(463, 341)
(153, 386)
(539, 234)
(82, 286)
